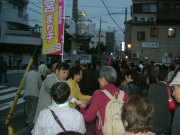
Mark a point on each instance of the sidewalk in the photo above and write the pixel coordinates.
(15, 71)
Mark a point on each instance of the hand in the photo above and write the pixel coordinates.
(78, 102)
(83, 105)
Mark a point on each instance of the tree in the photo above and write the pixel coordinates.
(102, 48)
(67, 41)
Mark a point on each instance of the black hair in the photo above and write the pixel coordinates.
(60, 92)
(152, 62)
(157, 65)
(2, 58)
(132, 64)
(138, 69)
(161, 76)
(172, 67)
(133, 73)
(63, 66)
(69, 133)
(33, 67)
(49, 66)
(141, 62)
(74, 71)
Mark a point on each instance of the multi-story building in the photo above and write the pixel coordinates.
(17, 38)
(107, 38)
(154, 31)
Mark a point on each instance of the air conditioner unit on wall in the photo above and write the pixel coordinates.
(144, 19)
(135, 55)
(136, 18)
(152, 19)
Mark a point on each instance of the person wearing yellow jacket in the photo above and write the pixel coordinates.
(75, 75)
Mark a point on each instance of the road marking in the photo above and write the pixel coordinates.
(2, 86)
(9, 95)
(9, 104)
(8, 89)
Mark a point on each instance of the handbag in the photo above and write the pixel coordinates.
(57, 120)
(171, 103)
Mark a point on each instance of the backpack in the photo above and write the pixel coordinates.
(113, 124)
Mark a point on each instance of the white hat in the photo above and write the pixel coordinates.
(176, 79)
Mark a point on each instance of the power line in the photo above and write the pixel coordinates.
(112, 17)
(36, 5)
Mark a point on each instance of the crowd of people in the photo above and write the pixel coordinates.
(117, 99)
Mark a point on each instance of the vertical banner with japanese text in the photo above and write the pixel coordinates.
(53, 11)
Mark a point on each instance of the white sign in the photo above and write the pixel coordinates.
(123, 46)
(150, 44)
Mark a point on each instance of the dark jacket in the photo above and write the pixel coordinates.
(86, 83)
(162, 116)
(131, 88)
(175, 130)
(3, 65)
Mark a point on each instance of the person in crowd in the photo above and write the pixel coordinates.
(75, 75)
(175, 84)
(70, 133)
(151, 69)
(61, 74)
(132, 65)
(104, 63)
(42, 69)
(3, 69)
(94, 68)
(77, 63)
(133, 115)
(53, 68)
(145, 68)
(31, 85)
(177, 68)
(141, 65)
(123, 70)
(18, 63)
(89, 66)
(118, 80)
(157, 67)
(107, 78)
(141, 82)
(153, 80)
(49, 71)
(10, 62)
(158, 94)
(170, 74)
(70, 118)
(131, 88)
(98, 64)
(164, 68)
(86, 83)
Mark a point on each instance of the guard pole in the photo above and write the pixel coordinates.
(8, 119)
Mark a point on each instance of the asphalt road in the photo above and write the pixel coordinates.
(7, 94)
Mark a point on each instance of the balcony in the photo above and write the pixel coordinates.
(170, 14)
(24, 2)
(22, 37)
(23, 15)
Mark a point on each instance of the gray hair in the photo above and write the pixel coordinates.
(33, 67)
(109, 73)
(104, 62)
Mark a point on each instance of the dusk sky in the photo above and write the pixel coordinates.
(94, 9)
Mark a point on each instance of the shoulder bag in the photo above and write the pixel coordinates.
(171, 103)
(57, 120)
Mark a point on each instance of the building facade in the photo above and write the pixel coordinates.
(154, 31)
(17, 38)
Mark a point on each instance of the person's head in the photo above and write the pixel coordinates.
(69, 133)
(107, 75)
(132, 64)
(33, 67)
(152, 63)
(42, 61)
(54, 67)
(49, 66)
(9, 56)
(83, 64)
(172, 67)
(161, 76)
(77, 63)
(141, 62)
(60, 92)
(75, 73)
(137, 114)
(131, 75)
(157, 67)
(62, 71)
(145, 64)
(175, 84)
(178, 61)
(104, 63)
(138, 69)
(99, 64)
(89, 65)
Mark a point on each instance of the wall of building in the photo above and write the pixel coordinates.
(95, 40)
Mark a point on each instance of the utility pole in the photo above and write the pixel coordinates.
(125, 31)
(114, 39)
(74, 39)
(99, 40)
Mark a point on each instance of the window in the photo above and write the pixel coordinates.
(149, 8)
(0, 7)
(140, 35)
(16, 56)
(166, 5)
(171, 32)
(177, 5)
(154, 32)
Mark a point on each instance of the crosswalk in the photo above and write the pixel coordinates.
(7, 97)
